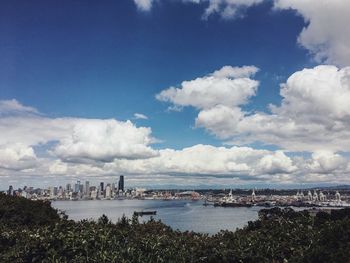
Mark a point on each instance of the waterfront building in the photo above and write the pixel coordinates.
(87, 189)
(68, 187)
(322, 197)
(253, 195)
(50, 192)
(309, 196)
(102, 187)
(108, 191)
(94, 194)
(337, 196)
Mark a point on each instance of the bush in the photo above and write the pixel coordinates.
(280, 235)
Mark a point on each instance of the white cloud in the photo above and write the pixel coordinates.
(209, 160)
(314, 113)
(58, 167)
(14, 107)
(327, 34)
(243, 163)
(220, 120)
(226, 9)
(235, 72)
(102, 148)
(222, 87)
(78, 138)
(325, 162)
(17, 157)
(275, 163)
(140, 116)
(144, 5)
(105, 140)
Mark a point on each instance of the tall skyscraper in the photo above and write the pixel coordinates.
(101, 186)
(121, 183)
(87, 189)
(77, 187)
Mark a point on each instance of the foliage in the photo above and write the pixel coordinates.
(19, 211)
(278, 236)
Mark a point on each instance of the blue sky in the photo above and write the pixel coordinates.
(88, 59)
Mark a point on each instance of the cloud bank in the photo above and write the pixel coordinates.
(313, 117)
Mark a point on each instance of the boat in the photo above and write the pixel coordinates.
(144, 213)
(232, 204)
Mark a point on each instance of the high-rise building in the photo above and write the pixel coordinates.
(102, 187)
(68, 187)
(108, 191)
(121, 183)
(77, 187)
(87, 189)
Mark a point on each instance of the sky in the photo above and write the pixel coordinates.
(175, 93)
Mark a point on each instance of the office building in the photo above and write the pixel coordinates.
(77, 187)
(87, 188)
(121, 183)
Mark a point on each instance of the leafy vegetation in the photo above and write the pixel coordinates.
(32, 231)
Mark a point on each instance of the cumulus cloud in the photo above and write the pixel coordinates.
(14, 107)
(242, 163)
(235, 72)
(17, 157)
(228, 86)
(102, 148)
(105, 140)
(314, 113)
(58, 167)
(140, 116)
(144, 5)
(210, 160)
(326, 34)
(78, 138)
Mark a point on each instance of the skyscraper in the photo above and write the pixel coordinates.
(87, 189)
(77, 187)
(108, 191)
(121, 183)
(101, 186)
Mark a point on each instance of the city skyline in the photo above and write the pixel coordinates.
(175, 94)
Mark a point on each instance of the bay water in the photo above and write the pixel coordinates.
(185, 215)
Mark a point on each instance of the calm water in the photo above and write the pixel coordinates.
(179, 214)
